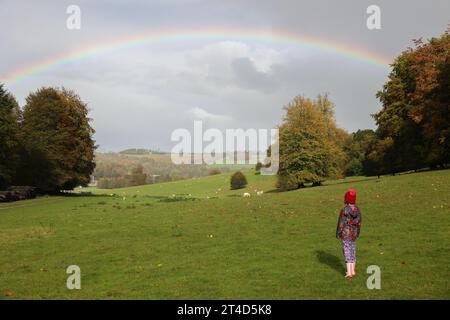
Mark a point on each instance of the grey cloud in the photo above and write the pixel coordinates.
(247, 76)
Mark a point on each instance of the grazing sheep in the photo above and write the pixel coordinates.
(259, 193)
(246, 195)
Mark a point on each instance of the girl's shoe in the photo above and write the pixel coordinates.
(348, 276)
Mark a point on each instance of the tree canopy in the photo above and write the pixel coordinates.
(414, 123)
(9, 140)
(356, 148)
(58, 146)
(310, 143)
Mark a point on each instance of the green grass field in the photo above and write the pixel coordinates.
(159, 242)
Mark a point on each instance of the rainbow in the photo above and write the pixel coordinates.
(203, 34)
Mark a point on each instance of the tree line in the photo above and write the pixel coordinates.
(413, 126)
(48, 143)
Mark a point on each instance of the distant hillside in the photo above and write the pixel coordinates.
(113, 170)
(141, 151)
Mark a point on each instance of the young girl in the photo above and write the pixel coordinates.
(348, 228)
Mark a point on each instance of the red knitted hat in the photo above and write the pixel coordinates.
(350, 196)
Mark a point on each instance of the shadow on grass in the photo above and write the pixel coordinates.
(330, 260)
(174, 198)
(155, 197)
(324, 184)
(81, 194)
(274, 191)
(332, 183)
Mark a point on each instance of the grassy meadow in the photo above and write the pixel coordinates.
(196, 239)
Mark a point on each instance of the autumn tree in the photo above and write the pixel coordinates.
(58, 146)
(310, 144)
(414, 123)
(9, 140)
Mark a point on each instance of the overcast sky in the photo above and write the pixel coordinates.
(138, 95)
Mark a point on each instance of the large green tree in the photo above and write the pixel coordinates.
(58, 146)
(310, 144)
(356, 148)
(414, 123)
(9, 130)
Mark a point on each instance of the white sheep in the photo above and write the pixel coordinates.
(260, 193)
(246, 195)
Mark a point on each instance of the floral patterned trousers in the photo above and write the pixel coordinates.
(349, 250)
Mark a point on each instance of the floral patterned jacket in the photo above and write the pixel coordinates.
(349, 223)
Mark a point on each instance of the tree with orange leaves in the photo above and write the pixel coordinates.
(415, 118)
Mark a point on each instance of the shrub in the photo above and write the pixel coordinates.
(238, 180)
